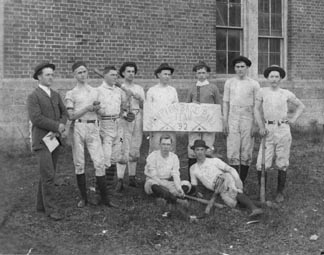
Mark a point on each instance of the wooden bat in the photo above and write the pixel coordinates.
(204, 201)
(210, 203)
(262, 181)
(96, 71)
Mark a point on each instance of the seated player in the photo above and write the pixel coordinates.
(219, 177)
(163, 176)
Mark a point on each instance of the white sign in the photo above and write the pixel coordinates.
(184, 117)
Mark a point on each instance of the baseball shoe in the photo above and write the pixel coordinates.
(132, 181)
(256, 212)
(82, 203)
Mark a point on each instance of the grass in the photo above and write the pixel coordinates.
(139, 228)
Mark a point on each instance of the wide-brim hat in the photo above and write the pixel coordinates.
(242, 59)
(274, 68)
(199, 143)
(123, 68)
(163, 66)
(40, 67)
(200, 65)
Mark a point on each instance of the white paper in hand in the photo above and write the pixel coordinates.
(51, 141)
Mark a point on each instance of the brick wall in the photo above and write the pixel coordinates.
(305, 39)
(101, 32)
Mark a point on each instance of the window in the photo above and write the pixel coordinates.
(228, 34)
(270, 34)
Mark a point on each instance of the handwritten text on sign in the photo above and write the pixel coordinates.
(185, 117)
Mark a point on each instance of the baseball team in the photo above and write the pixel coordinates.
(108, 120)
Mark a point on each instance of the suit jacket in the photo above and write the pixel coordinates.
(45, 113)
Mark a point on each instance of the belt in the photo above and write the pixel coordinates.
(279, 122)
(110, 117)
(86, 121)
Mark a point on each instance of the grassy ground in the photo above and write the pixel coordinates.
(139, 228)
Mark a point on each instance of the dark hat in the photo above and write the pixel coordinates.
(274, 68)
(199, 143)
(163, 66)
(200, 65)
(108, 68)
(40, 67)
(77, 64)
(242, 59)
(126, 64)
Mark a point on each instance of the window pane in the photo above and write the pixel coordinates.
(234, 40)
(221, 1)
(264, 6)
(274, 45)
(235, 1)
(220, 61)
(276, 6)
(263, 45)
(231, 56)
(221, 15)
(275, 59)
(221, 39)
(264, 24)
(263, 62)
(276, 24)
(235, 15)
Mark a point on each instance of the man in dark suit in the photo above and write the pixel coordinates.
(47, 113)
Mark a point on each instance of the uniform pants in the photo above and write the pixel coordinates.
(278, 142)
(111, 141)
(239, 140)
(132, 134)
(87, 134)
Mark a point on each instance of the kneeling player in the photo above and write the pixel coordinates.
(219, 177)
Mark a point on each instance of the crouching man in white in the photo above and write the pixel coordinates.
(219, 177)
(163, 176)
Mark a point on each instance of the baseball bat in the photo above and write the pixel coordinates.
(96, 71)
(262, 181)
(204, 201)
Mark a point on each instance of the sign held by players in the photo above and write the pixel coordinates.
(184, 117)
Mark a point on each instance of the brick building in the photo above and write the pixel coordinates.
(181, 32)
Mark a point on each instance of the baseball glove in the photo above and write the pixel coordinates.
(130, 117)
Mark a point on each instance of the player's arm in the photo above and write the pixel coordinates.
(258, 115)
(238, 182)
(300, 107)
(226, 106)
(175, 173)
(74, 115)
(150, 170)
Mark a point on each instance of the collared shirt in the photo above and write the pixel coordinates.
(208, 93)
(133, 103)
(163, 168)
(275, 103)
(46, 89)
(160, 96)
(79, 98)
(199, 83)
(111, 99)
(240, 92)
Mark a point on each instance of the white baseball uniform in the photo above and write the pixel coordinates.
(240, 94)
(208, 172)
(85, 129)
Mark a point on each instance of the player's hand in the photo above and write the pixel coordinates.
(263, 131)
(181, 192)
(96, 106)
(254, 130)
(225, 128)
(61, 128)
(90, 108)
